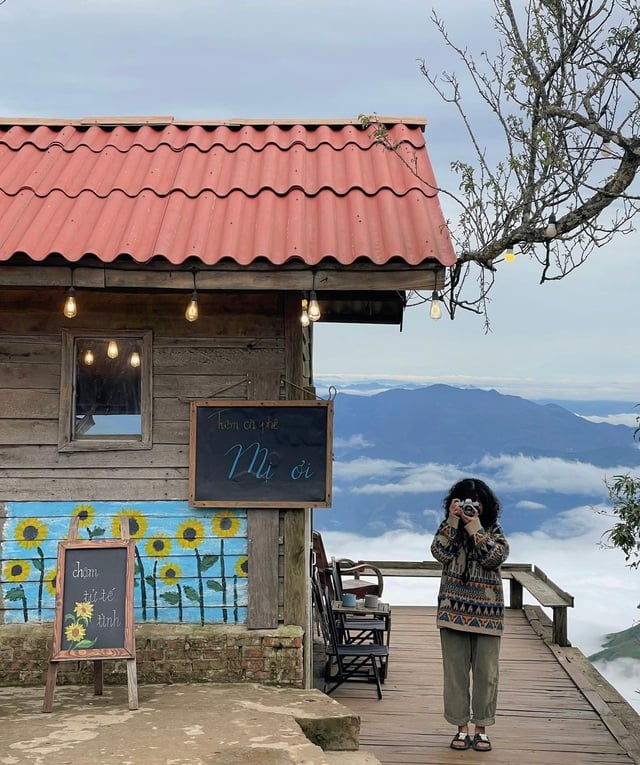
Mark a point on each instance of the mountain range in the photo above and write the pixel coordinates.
(397, 451)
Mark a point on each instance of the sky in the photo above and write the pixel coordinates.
(214, 59)
(218, 59)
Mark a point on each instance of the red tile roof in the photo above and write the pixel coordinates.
(218, 190)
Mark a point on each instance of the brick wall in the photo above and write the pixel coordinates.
(165, 653)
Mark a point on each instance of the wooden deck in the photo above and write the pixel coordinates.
(553, 707)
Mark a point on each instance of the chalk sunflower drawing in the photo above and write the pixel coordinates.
(17, 571)
(83, 610)
(137, 529)
(225, 523)
(170, 575)
(86, 515)
(30, 534)
(76, 630)
(158, 546)
(190, 535)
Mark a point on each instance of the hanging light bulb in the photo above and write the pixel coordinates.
(551, 229)
(70, 307)
(191, 313)
(314, 306)
(435, 311)
(112, 349)
(87, 357)
(134, 359)
(509, 255)
(304, 315)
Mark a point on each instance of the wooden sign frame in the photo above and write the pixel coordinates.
(83, 612)
(63, 610)
(260, 453)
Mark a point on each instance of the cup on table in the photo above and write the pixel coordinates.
(371, 601)
(349, 599)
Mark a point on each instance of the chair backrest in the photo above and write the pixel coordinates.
(321, 564)
(320, 605)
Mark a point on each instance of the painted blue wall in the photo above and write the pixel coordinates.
(191, 565)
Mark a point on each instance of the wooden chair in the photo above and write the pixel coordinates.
(350, 572)
(361, 662)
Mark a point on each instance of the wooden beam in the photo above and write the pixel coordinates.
(360, 278)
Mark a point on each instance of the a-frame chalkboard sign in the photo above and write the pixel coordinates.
(94, 607)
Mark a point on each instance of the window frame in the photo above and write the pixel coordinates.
(66, 440)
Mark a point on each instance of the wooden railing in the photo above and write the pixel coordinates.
(520, 575)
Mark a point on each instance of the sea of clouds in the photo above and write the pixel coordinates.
(569, 551)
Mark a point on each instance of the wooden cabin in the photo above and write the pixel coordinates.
(148, 266)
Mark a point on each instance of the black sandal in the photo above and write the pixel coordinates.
(462, 740)
(481, 743)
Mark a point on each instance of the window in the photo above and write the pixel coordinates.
(105, 391)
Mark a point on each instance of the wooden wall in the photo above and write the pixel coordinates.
(243, 346)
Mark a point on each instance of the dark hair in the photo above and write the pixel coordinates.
(475, 489)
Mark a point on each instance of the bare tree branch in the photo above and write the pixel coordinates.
(563, 93)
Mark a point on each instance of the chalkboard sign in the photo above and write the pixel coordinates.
(94, 600)
(260, 453)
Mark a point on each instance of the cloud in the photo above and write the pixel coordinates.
(527, 504)
(604, 588)
(516, 474)
(356, 441)
(626, 418)
(549, 474)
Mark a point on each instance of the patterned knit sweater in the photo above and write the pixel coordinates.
(471, 597)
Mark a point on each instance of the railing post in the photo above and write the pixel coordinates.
(515, 594)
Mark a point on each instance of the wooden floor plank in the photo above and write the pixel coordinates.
(544, 715)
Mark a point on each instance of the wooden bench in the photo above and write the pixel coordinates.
(520, 575)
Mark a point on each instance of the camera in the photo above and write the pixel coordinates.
(469, 507)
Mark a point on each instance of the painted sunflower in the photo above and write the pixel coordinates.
(16, 570)
(31, 533)
(242, 566)
(75, 632)
(190, 534)
(50, 581)
(83, 610)
(86, 514)
(137, 523)
(158, 546)
(225, 524)
(170, 574)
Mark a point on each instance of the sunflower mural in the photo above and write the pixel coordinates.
(31, 534)
(137, 530)
(170, 575)
(225, 523)
(86, 515)
(190, 566)
(157, 547)
(16, 572)
(191, 535)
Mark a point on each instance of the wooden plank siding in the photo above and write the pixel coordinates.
(243, 346)
(549, 711)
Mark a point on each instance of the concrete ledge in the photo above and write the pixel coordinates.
(199, 723)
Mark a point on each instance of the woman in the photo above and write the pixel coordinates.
(471, 547)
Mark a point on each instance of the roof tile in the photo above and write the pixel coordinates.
(214, 192)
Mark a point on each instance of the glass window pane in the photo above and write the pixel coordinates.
(107, 390)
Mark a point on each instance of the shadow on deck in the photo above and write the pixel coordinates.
(554, 707)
